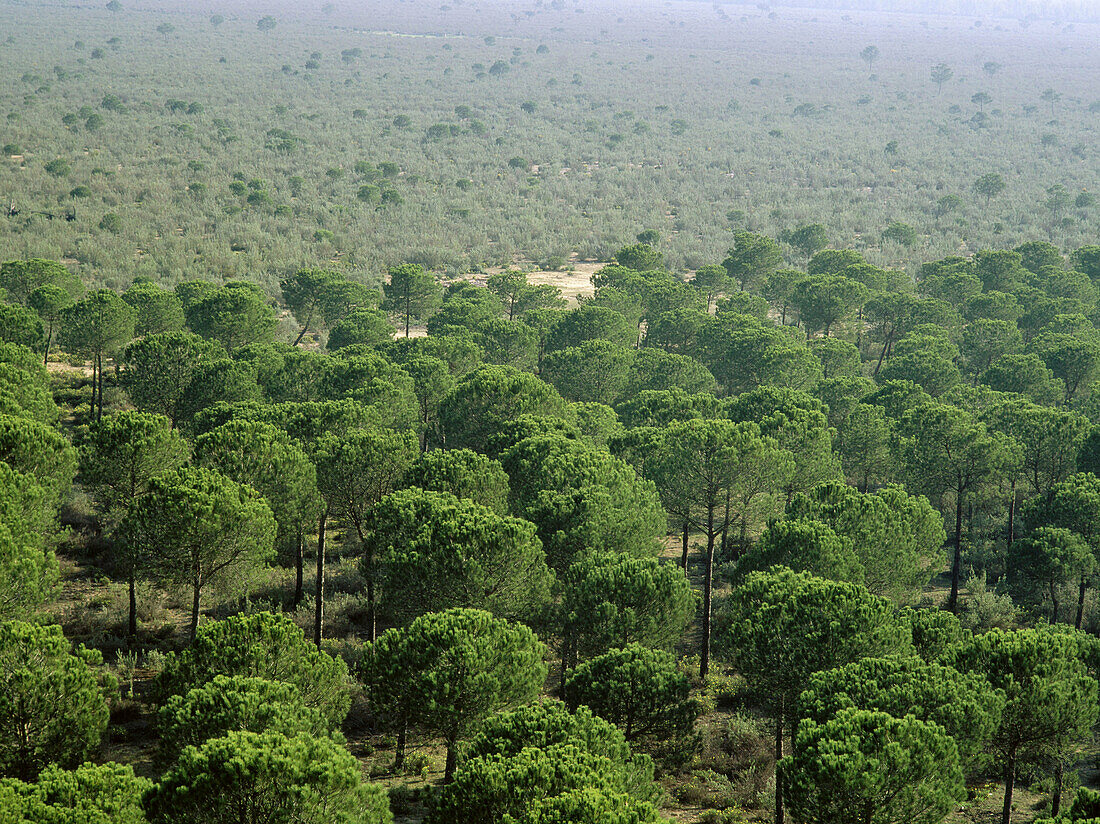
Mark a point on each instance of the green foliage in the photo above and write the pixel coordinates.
(158, 370)
(501, 789)
(752, 258)
(156, 310)
(99, 324)
(40, 452)
(744, 355)
(464, 474)
(613, 600)
(641, 257)
(196, 528)
(582, 499)
(1050, 698)
(804, 546)
(262, 645)
(934, 632)
(520, 297)
(440, 552)
(591, 322)
(411, 294)
(590, 806)
(358, 469)
(1086, 806)
(989, 186)
(448, 671)
(896, 538)
(21, 326)
(1038, 567)
(839, 358)
(866, 766)
(642, 691)
(1037, 254)
(267, 777)
(656, 371)
(263, 457)
(19, 278)
(231, 704)
(795, 422)
(806, 239)
(123, 453)
(595, 371)
(368, 378)
(948, 455)
(367, 327)
(91, 794)
(234, 315)
(823, 300)
(218, 381)
(964, 705)
(1024, 374)
(928, 369)
(325, 297)
(547, 724)
(49, 300)
(1073, 504)
(1050, 440)
(863, 445)
(25, 385)
(486, 399)
(901, 233)
(95, 327)
(712, 280)
(28, 568)
(784, 626)
(699, 461)
(53, 701)
(432, 380)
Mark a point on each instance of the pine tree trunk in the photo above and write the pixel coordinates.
(452, 762)
(566, 655)
(1010, 779)
(1056, 796)
(93, 408)
(99, 394)
(704, 659)
(778, 756)
(399, 756)
(299, 572)
(368, 566)
(723, 545)
(319, 614)
(305, 327)
(195, 607)
(956, 564)
(1011, 536)
(684, 547)
(1080, 603)
(131, 627)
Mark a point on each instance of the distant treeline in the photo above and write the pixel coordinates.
(1060, 10)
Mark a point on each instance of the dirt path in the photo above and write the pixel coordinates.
(573, 284)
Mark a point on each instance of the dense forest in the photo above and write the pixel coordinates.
(470, 416)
